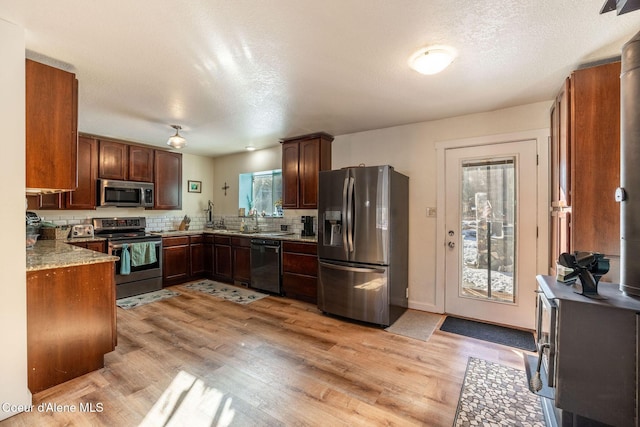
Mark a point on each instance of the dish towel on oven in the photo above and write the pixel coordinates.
(125, 260)
(143, 253)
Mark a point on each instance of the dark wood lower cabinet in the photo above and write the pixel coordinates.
(222, 258)
(300, 271)
(207, 255)
(185, 258)
(196, 248)
(175, 260)
(241, 249)
(228, 259)
(71, 322)
(98, 246)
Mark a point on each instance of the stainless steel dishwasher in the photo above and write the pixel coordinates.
(265, 265)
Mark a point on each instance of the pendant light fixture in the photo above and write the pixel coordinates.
(176, 141)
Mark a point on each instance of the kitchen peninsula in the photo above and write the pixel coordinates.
(71, 317)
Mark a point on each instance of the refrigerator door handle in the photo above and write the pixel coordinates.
(350, 213)
(345, 229)
(352, 269)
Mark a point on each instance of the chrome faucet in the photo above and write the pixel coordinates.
(209, 212)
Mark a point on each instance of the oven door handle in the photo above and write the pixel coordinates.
(119, 246)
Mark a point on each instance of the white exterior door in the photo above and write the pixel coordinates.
(490, 225)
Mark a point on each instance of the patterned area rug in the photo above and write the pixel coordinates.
(493, 394)
(415, 324)
(138, 300)
(228, 292)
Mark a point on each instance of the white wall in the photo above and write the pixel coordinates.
(13, 307)
(197, 168)
(411, 150)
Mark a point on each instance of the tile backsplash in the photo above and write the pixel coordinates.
(165, 222)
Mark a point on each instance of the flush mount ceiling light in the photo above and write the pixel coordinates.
(250, 148)
(176, 141)
(432, 60)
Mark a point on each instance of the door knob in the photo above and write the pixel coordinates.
(451, 245)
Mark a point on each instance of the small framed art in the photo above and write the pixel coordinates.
(195, 186)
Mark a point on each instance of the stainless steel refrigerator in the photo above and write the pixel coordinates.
(363, 243)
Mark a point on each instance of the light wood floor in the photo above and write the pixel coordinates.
(199, 360)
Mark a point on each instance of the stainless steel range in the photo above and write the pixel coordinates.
(139, 269)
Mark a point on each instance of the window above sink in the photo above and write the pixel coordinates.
(261, 193)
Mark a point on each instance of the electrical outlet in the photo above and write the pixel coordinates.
(431, 212)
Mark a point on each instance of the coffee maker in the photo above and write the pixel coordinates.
(307, 226)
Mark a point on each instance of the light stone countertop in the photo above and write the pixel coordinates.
(275, 235)
(48, 254)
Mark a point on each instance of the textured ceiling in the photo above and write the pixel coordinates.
(249, 72)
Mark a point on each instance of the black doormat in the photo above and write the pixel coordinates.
(492, 333)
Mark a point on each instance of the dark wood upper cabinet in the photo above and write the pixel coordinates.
(84, 196)
(168, 180)
(140, 163)
(595, 158)
(113, 160)
(303, 157)
(48, 201)
(290, 175)
(122, 161)
(51, 127)
(585, 166)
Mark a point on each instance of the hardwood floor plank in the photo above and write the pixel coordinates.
(197, 358)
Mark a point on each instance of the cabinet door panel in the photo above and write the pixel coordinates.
(113, 160)
(84, 196)
(309, 166)
(96, 246)
(175, 264)
(301, 247)
(595, 165)
(222, 261)
(51, 127)
(51, 201)
(242, 264)
(197, 259)
(208, 259)
(300, 287)
(300, 263)
(290, 175)
(168, 180)
(140, 163)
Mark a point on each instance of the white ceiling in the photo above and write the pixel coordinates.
(249, 72)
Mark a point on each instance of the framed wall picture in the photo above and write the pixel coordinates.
(195, 186)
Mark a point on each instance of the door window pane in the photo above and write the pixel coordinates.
(488, 212)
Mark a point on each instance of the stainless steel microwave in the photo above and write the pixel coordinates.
(125, 194)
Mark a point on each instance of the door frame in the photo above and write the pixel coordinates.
(541, 136)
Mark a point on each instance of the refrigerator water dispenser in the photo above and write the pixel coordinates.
(332, 228)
